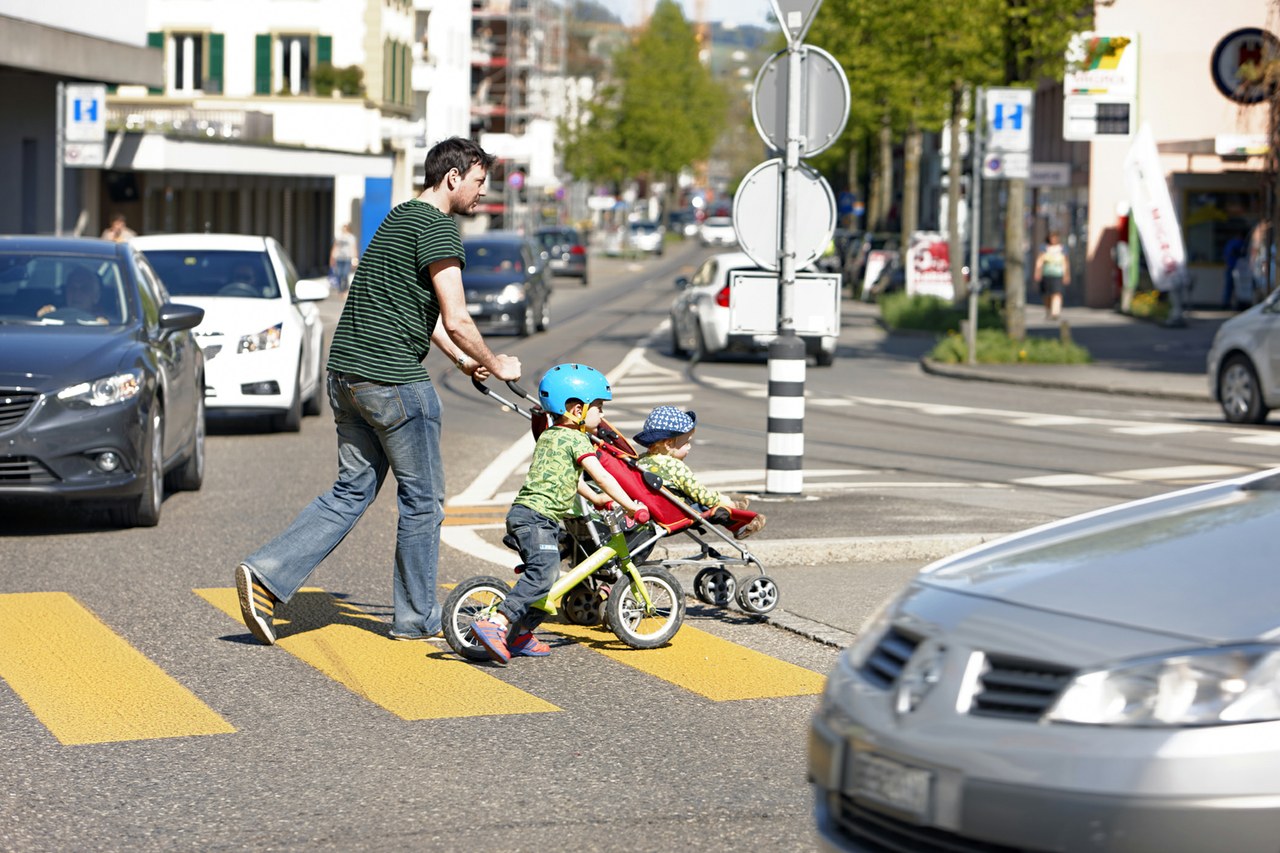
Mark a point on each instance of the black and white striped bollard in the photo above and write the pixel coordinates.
(784, 468)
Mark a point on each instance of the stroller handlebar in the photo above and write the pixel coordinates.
(520, 392)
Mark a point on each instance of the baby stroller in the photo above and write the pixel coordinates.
(714, 583)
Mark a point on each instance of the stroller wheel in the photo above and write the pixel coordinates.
(758, 595)
(715, 585)
(583, 605)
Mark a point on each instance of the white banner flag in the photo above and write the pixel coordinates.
(1153, 212)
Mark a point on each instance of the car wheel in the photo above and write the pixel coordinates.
(676, 349)
(824, 358)
(700, 351)
(544, 318)
(1239, 392)
(189, 476)
(144, 510)
(311, 406)
(584, 279)
(290, 420)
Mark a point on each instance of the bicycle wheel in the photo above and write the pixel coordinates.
(625, 613)
(469, 599)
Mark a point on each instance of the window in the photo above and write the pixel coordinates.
(187, 52)
(293, 64)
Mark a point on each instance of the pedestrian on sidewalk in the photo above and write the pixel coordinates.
(385, 406)
(575, 395)
(342, 258)
(1053, 275)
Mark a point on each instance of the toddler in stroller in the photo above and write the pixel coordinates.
(668, 435)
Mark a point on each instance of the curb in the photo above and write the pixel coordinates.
(953, 371)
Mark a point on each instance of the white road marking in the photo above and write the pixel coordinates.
(1182, 472)
(1156, 429)
(1065, 480)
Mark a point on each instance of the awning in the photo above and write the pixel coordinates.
(154, 152)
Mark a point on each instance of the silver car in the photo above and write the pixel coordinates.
(1244, 363)
(1110, 682)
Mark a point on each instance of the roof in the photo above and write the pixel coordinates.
(214, 242)
(74, 245)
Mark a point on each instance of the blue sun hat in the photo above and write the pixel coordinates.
(665, 422)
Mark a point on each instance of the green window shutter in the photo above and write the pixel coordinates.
(215, 64)
(324, 49)
(156, 40)
(262, 65)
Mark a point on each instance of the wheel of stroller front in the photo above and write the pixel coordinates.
(626, 615)
(583, 605)
(469, 599)
(758, 595)
(715, 585)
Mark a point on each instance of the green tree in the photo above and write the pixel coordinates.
(660, 112)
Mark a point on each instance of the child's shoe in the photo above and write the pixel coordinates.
(493, 637)
(527, 645)
(755, 525)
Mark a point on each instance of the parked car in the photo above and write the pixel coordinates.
(506, 288)
(717, 231)
(101, 380)
(262, 336)
(647, 237)
(1105, 682)
(566, 252)
(1244, 363)
(700, 315)
(683, 222)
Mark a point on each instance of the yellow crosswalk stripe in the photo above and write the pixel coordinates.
(85, 683)
(703, 663)
(413, 680)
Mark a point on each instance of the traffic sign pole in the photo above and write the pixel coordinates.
(975, 221)
(60, 146)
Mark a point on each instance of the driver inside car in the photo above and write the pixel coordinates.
(81, 292)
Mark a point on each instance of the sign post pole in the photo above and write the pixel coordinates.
(58, 155)
(975, 222)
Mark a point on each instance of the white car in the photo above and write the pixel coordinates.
(647, 237)
(1244, 363)
(700, 315)
(718, 231)
(261, 335)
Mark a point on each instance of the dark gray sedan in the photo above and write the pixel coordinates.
(1107, 682)
(505, 283)
(101, 383)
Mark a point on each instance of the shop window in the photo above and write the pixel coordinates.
(1214, 218)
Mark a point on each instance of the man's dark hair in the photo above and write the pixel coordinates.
(453, 153)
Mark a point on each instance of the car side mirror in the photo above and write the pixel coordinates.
(175, 317)
(682, 283)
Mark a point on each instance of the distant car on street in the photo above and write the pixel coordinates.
(101, 380)
(700, 315)
(262, 335)
(566, 252)
(647, 237)
(1104, 682)
(718, 231)
(1244, 363)
(506, 287)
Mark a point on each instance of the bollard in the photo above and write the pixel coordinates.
(784, 467)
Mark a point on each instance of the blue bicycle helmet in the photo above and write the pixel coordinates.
(566, 382)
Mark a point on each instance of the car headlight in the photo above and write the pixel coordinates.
(510, 295)
(1200, 687)
(266, 339)
(105, 391)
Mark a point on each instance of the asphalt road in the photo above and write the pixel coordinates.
(341, 738)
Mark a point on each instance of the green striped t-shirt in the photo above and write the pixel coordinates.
(384, 332)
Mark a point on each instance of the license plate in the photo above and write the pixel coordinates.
(890, 783)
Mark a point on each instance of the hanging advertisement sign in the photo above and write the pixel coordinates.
(929, 265)
(1152, 211)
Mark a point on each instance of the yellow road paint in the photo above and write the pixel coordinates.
(472, 515)
(85, 683)
(703, 663)
(413, 680)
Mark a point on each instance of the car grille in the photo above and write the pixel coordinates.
(885, 663)
(1016, 689)
(14, 406)
(881, 832)
(24, 470)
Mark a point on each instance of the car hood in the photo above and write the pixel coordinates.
(490, 281)
(1203, 564)
(49, 360)
(228, 315)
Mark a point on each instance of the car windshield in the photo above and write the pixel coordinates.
(547, 239)
(643, 228)
(208, 272)
(59, 290)
(493, 257)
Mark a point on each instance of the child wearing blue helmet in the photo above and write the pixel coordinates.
(575, 395)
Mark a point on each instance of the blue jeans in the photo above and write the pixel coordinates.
(380, 427)
(342, 273)
(537, 539)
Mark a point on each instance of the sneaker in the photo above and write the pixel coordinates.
(438, 635)
(755, 525)
(257, 605)
(527, 645)
(493, 637)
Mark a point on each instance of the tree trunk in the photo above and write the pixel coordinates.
(853, 186)
(955, 246)
(885, 195)
(911, 183)
(1015, 263)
